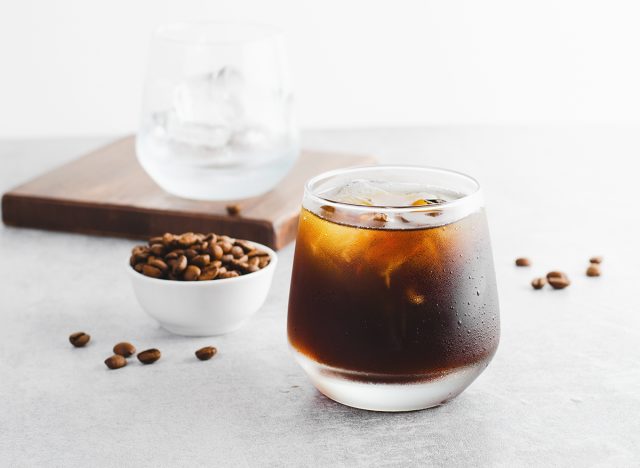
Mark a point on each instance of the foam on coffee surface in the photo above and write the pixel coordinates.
(382, 193)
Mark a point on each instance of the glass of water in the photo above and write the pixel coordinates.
(217, 115)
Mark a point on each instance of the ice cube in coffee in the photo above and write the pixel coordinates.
(393, 303)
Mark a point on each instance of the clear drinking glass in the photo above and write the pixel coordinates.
(217, 114)
(393, 306)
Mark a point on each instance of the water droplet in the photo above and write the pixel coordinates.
(459, 322)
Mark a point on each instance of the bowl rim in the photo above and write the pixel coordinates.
(191, 284)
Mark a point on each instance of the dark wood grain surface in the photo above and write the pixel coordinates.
(108, 193)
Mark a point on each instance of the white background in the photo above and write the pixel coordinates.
(75, 67)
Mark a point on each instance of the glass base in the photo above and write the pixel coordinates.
(337, 385)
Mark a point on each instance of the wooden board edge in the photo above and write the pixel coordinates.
(66, 216)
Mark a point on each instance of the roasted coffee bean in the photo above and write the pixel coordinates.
(171, 255)
(190, 253)
(211, 238)
(202, 248)
(138, 267)
(216, 263)
(264, 261)
(180, 265)
(555, 274)
(115, 362)
(155, 240)
(124, 349)
(227, 258)
(257, 253)
(206, 353)
(209, 274)
(558, 280)
(149, 356)
(593, 270)
(226, 246)
(252, 268)
(228, 274)
(538, 283)
(233, 210)
(216, 251)
(79, 339)
(187, 239)
(523, 262)
(254, 261)
(167, 238)
(151, 271)
(380, 217)
(597, 259)
(246, 245)
(201, 260)
(157, 250)
(192, 273)
(159, 264)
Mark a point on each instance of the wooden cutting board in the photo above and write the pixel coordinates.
(108, 193)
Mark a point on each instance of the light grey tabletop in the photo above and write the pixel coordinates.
(563, 389)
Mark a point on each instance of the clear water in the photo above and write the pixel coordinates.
(218, 138)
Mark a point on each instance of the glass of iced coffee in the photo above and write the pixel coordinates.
(393, 303)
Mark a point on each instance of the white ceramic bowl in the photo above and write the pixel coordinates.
(204, 308)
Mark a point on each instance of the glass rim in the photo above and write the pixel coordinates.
(474, 196)
(185, 32)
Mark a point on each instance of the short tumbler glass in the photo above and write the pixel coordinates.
(217, 114)
(393, 308)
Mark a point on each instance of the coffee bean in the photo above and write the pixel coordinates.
(124, 349)
(523, 262)
(157, 250)
(190, 253)
(155, 240)
(538, 283)
(115, 362)
(558, 280)
(192, 273)
(216, 251)
(380, 217)
(246, 245)
(597, 259)
(264, 261)
(257, 253)
(79, 339)
(226, 246)
(138, 267)
(201, 260)
(228, 274)
(171, 255)
(252, 268)
(206, 353)
(253, 261)
(227, 258)
(593, 270)
(209, 274)
(187, 239)
(159, 264)
(151, 271)
(180, 265)
(149, 356)
(233, 210)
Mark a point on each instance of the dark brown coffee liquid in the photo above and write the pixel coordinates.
(399, 305)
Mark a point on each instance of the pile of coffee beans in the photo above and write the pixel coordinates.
(559, 279)
(124, 350)
(197, 257)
